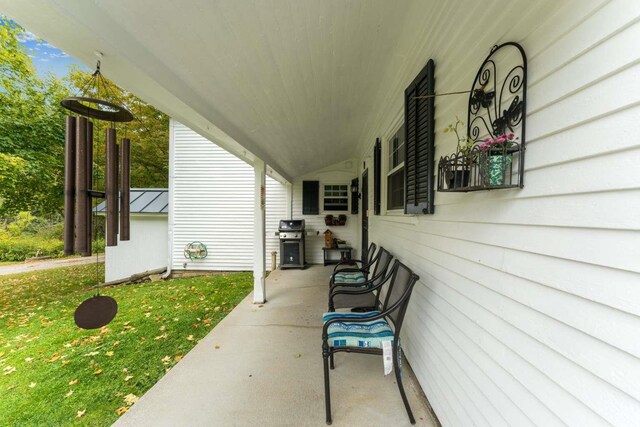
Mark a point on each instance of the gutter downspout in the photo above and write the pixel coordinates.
(171, 193)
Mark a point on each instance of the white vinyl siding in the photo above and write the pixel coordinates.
(213, 202)
(528, 306)
(276, 209)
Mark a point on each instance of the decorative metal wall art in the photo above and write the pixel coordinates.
(496, 119)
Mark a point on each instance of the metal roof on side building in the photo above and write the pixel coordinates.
(145, 200)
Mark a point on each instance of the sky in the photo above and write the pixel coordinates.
(46, 57)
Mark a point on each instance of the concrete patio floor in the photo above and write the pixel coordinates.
(262, 365)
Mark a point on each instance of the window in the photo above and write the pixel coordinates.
(395, 176)
(419, 142)
(336, 197)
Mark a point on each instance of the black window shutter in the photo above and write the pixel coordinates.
(419, 166)
(310, 197)
(377, 171)
(354, 197)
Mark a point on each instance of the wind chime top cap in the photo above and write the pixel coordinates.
(103, 109)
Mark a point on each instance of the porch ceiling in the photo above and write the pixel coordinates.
(297, 83)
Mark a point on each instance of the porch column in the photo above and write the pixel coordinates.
(259, 295)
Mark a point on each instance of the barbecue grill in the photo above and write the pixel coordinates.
(291, 233)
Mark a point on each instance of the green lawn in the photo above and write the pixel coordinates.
(53, 373)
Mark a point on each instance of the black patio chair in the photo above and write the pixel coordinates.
(367, 296)
(365, 332)
(363, 263)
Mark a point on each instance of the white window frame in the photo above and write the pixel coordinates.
(347, 197)
(391, 171)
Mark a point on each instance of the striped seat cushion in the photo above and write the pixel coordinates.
(358, 334)
(349, 277)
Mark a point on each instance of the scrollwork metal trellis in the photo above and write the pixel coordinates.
(497, 106)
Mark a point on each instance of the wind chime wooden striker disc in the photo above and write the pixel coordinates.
(79, 190)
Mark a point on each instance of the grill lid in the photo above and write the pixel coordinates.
(291, 225)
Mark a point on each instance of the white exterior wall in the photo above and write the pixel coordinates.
(211, 201)
(527, 310)
(277, 209)
(147, 249)
(341, 173)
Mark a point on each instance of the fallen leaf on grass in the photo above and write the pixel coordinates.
(166, 360)
(81, 413)
(116, 343)
(66, 362)
(109, 353)
(9, 369)
(32, 385)
(216, 309)
(128, 377)
(73, 381)
(161, 337)
(54, 357)
(98, 372)
(69, 393)
(162, 328)
(28, 359)
(178, 357)
(190, 338)
(122, 410)
(130, 399)
(125, 370)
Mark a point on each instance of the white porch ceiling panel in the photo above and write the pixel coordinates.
(297, 83)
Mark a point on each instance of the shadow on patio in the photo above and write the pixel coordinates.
(262, 365)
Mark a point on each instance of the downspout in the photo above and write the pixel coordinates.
(170, 198)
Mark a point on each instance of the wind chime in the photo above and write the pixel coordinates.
(80, 180)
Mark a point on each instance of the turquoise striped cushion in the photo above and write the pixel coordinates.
(358, 334)
(351, 277)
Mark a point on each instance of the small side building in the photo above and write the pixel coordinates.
(147, 249)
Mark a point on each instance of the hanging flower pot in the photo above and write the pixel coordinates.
(497, 159)
(496, 167)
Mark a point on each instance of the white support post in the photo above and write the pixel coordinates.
(259, 273)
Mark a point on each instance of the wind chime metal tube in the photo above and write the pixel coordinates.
(69, 182)
(82, 195)
(125, 195)
(89, 171)
(111, 187)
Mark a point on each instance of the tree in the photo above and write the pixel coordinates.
(31, 131)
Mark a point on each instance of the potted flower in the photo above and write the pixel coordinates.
(460, 164)
(497, 157)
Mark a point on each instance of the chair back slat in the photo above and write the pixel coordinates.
(382, 265)
(399, 292)
(370, 255)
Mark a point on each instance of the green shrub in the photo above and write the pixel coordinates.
(23, 247)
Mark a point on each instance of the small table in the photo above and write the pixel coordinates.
(345, 255)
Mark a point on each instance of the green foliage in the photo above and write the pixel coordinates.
(23, 247)
(53, 371)
(464, 143)
(32, 132)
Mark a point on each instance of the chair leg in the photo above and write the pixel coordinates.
(331, 364)
(396, 370)
(327, 391)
